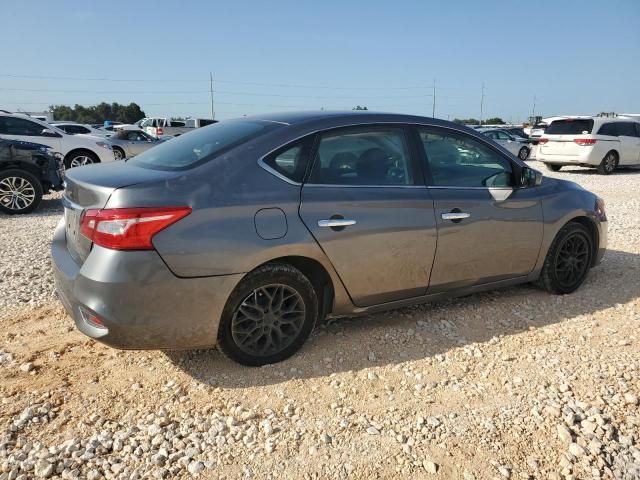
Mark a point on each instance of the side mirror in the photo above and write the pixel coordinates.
(49, 133)
(530, 177)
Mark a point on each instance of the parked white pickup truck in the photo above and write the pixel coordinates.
(161, 127)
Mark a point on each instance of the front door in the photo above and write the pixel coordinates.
(489, 229)
(137, 141)
(366, 205)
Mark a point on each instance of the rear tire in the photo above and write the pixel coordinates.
(523, 154)
(608, 164)
(568, 260)
(80, 158)
(269, 316)
(20, 192)
(118, 153)
(553, 167)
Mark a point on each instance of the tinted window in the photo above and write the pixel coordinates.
(457, 160)
(201, 145)
(362, 157)
(570, 126)
(627, 129)
(135, 136)
(609, 129)
(288, 162)
(19, 126)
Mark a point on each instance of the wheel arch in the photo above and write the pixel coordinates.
(591, 226)
(317, 275)
(75, 151)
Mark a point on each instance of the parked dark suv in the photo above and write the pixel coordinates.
(27, 171)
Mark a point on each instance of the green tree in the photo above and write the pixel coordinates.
(114, 112)
(358, 107)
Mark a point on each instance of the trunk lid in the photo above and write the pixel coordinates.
(90, 187)
(561, 136)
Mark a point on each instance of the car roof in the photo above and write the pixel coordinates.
(344, 118)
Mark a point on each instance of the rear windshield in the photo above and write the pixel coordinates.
(201, 145)
(570, 126)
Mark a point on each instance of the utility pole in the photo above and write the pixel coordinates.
(213, 114)
(433, 111)
(533, 113)
(481, 103)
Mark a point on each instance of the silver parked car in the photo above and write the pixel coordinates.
(248, 232)
(129, 143)
(517, 145)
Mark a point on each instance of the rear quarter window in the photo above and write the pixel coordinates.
(570, 126)
(609, 129)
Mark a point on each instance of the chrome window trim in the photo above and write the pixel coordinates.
(338, 185)
(277, 174)
(443, 187)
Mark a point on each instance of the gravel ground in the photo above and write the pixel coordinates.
(513, 383)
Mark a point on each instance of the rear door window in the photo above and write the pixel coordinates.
(626, 129)
(570, 126)
(371, 156)
(202, 145)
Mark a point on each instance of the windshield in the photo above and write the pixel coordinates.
(201, 145)
(570, 126)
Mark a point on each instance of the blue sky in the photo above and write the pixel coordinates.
(576, 57)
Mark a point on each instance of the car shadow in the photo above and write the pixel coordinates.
(418, 332)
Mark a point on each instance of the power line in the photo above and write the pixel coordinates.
(224, 92)
(238, 82)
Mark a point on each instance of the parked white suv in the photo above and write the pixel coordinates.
(76, 149)
(601, 142)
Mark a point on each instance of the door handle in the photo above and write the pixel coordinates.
(336, 222)
(455, 216)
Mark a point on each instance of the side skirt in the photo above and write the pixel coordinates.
(435, 297)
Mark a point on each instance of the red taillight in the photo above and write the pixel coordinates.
(128, 228)
(542, 141)
(585, 141)
(159, 131)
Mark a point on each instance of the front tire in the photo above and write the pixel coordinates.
(269, 316)
(20, 192)
(608, 164)
(80, 158)
(553, 167)
(568, 260)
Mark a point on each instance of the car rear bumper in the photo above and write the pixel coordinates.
(585, 158)
(140, 302)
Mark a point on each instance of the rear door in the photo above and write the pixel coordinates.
(488, 228)
(366, 204)
(629, 143)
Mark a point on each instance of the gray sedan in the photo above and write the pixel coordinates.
(248, 232)
(516, 145)
(129, 143)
